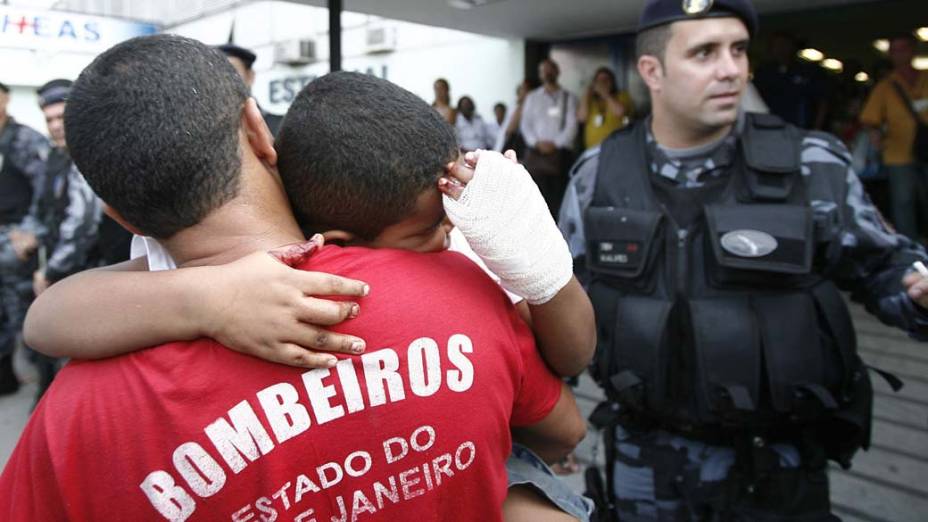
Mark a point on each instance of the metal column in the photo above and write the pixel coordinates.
(335, 35)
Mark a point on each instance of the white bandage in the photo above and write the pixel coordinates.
(507, 223)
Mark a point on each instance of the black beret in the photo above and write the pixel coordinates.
(53, 92)
(247, 57)
(660, 12)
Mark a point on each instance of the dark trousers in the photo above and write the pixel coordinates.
(552, 189)
(662, 477)
(16, 294)
(908, 196)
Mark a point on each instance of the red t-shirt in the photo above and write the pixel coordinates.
(415, 429)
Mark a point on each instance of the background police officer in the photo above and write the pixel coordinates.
(243, 60)
(67, 209)
(713, 245)
(23, 153)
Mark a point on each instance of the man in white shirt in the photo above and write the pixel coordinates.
(549, 128)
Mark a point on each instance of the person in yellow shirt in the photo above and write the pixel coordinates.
(892, 127)
(604, 108)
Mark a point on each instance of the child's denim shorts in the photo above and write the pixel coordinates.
(527, 468)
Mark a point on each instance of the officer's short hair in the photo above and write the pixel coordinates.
(653, 41)
(355, 152)
(4, 89)
(152, 124)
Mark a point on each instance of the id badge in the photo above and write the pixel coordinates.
(598, 120)
(920, 105)
(554, 112)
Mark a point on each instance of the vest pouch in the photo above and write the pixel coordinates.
(726, 340)
(795, 356)
(638, 355)
(622, 245)
(761, 246)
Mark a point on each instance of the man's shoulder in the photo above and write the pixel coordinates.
(586, 165)
(414, 272)
(884, 85)
(823, 147)
(27, 135)
(814, 146)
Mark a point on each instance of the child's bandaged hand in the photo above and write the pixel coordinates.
(504, 218)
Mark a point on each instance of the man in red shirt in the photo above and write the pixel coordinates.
(415, 428)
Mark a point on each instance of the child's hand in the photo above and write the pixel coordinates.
(459, 173)
(261, 307)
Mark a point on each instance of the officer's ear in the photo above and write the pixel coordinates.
(259, 136)
(651, 71)
(117, 217)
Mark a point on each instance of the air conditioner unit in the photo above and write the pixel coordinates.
(295, 52)
(380, 39)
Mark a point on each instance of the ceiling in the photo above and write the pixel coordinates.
(848, 32)
(538, 19)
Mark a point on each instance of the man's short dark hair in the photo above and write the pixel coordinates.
(153, 125)
(355, 152)
(4, 88)
(653, 42)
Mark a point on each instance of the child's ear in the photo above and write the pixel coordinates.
(338, 237)
(117, 217)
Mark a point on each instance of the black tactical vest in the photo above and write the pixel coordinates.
(15, 188)
(727, 323)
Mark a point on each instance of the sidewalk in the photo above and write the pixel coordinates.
(14, 409)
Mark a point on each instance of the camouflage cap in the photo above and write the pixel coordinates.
(247, 57)
(660, 12)
(54, 91)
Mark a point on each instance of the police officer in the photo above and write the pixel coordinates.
(67, 210)
(242, 59)
(23, 152)
(713, 245)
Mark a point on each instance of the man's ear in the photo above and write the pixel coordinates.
(339, 237)
(652, 71)
(117, 217)
(259, 136)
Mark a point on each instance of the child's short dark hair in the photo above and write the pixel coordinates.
(355, 152)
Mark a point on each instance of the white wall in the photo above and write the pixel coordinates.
(487, 69)
(51, 44)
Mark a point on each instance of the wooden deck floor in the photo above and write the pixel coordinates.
(889, 483)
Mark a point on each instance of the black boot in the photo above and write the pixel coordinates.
(9, 384)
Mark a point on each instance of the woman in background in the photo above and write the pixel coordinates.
(442, 102)
(603, 109)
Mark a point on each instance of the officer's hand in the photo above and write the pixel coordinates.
(39, 282)
(24, 243)
(917, 287)
(264, 308)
